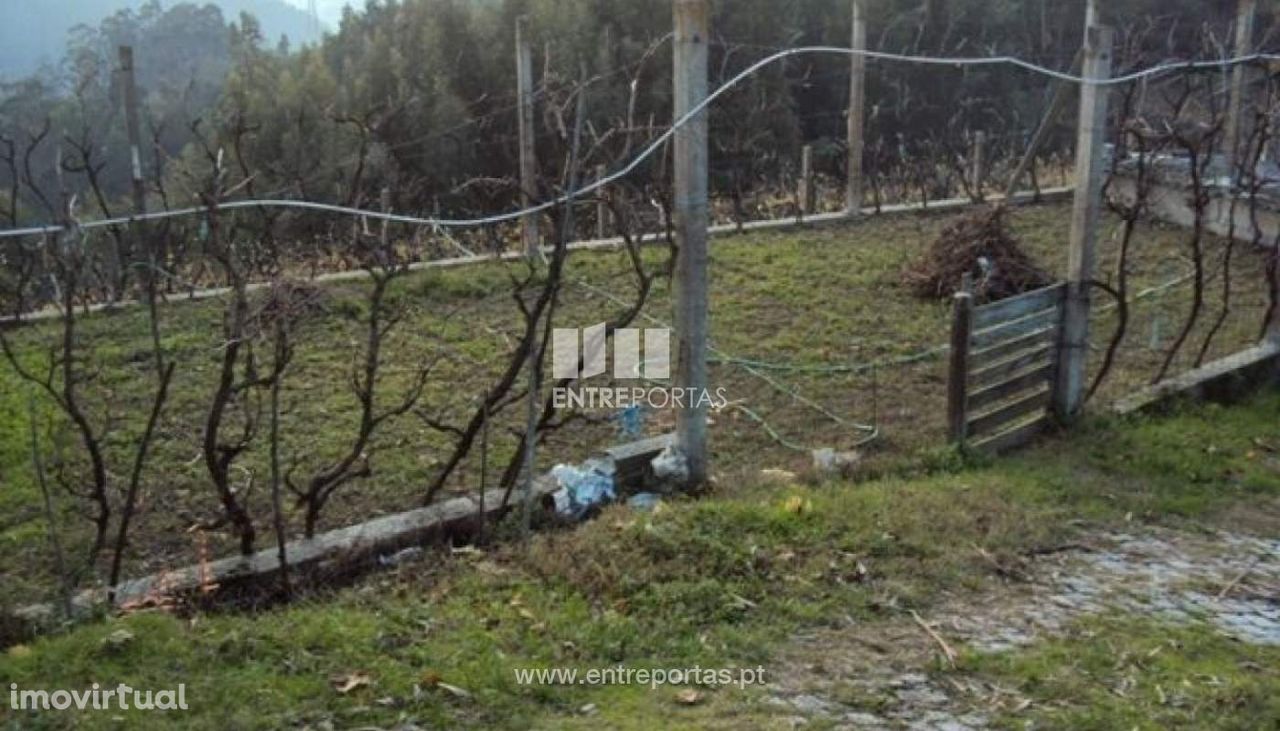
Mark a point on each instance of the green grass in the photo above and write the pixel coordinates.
(721, 581)
(1122, 671)
(809, 297)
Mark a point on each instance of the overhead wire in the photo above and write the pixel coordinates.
(657, 145)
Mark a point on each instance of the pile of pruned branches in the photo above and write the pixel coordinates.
(980, 245)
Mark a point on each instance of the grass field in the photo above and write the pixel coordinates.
(807, 309)
(727, 581)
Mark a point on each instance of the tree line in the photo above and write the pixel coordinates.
(419, 96)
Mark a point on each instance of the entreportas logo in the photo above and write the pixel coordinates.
(578, 354)
(569, 362)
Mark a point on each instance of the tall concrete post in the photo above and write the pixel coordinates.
(806, 192)
(857, 110)
(1246, 11)
(1069, 393)
(133, 127)
(979, 172)
(691, 219)
(528, 157)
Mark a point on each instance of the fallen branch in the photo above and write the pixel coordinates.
(947, 651)
(1236, 581)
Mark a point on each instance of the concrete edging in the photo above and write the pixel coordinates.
(650, 238)
(1224, 380)
(344, 549)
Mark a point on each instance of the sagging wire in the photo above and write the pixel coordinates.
(657, 145)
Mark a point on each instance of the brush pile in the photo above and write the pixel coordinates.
(979, 244)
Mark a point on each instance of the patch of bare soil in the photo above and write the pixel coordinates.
(885, 675)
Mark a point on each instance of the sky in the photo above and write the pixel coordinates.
(330, 10)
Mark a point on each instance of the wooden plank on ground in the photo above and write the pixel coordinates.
(1017, 383)
(993, 420)
(1015, 437)
(1014, 308)
(631, 461)
(1000, 370)
(1011, 329)
(987, 356)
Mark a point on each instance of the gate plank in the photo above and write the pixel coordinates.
(1020, 306)
(1015, 437)
(996, 334)
(999, 370)
(987, 356)
(1018, 382)
(993, 420)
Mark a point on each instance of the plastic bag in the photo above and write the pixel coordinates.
(583, 487)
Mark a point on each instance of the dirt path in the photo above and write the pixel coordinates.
(877, 676)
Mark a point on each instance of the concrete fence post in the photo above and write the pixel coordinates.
(1069, 391)
(806, 191)
(978, 175)
(691, 218)
(857, 113)
(529, 237)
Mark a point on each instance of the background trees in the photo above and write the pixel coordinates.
(35, 33)
(418, 95)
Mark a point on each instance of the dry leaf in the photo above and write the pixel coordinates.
(688, 697)
(432, 679)
(344, 684)
(453, 690)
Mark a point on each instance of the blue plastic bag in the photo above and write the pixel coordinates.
(583, 488)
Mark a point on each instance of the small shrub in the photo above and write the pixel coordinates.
(13, 629)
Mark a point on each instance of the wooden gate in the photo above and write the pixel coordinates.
(1003, 368)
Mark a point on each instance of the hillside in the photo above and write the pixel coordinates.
(36, 31)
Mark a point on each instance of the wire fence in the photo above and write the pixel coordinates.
(817, 343)
(653, 147)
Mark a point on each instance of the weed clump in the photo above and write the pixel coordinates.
(979, 244)
(13, 630)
